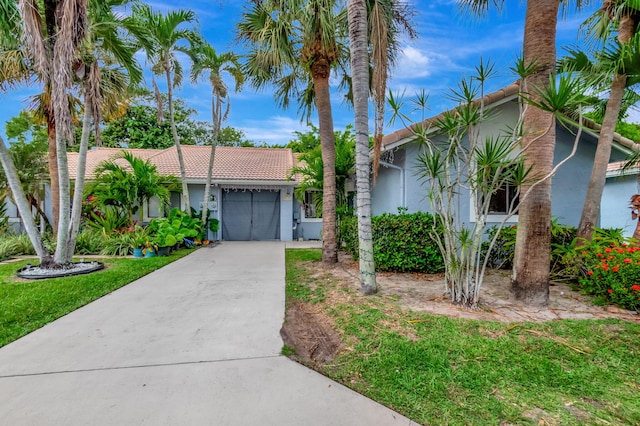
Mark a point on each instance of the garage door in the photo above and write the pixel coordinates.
(250, 215)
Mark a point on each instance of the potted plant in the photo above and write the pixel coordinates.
(140, 238)
(150, 248)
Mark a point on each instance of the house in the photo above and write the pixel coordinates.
(251, 194)
(398, 186)
(621, 185)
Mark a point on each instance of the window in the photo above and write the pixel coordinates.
(309, 207)
(500, 203)
(503, 199)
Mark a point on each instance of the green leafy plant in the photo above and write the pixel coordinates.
(173, 229)
(90, 242)
(401, 242)
(118, 245)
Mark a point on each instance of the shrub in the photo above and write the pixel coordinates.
(565, 256)
(119, 245)
(612, 273)
(90, 242)
(401, 242)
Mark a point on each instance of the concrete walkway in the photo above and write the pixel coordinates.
(194, 343)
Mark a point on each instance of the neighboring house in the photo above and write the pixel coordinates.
(621, 185)
(398, 186)
(251, 194)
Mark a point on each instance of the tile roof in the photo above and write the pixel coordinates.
(231, 164)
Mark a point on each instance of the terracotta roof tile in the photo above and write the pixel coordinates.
(235, 164)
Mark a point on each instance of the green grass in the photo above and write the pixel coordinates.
(299, 283)
(28, 305)
(440, 370)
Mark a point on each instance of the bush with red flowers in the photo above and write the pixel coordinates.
(612, 273)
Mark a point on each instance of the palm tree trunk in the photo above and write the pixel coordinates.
(530, 281)
(61, 255)
(185, 203)
(591, 209)
(320, 72)
(53, 171)
(23, 205)
(216, 110)
(76, 212)
(357, 11)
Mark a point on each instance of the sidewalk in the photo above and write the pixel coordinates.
(195, 343)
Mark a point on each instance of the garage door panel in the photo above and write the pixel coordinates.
(250, 215)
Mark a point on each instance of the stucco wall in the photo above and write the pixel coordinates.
(615, 203)
(569, 185)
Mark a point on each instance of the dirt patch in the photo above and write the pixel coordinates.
(310, 333)
(426, 293)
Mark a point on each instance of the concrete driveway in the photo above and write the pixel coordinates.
(194, 343)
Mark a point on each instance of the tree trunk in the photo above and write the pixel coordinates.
(185, 203)
(357, 12)
(23, 205)
(216, 111)
(53, 170)
(76, 211)
(61, 255)
(591, 209)
(530, 281)
(320, 72)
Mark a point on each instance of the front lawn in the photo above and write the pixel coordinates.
(28, 305)
(443, 370)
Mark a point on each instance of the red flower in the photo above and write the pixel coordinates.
(615, 268)
(627, 260)
(635, 287)
(599, 255)
(610, 290)
(619, 250)
(624, 244)
(605, 266)
(584, 253)
(590, 273)
(607, 250)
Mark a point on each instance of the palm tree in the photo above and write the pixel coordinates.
(206, 59)
(624, 16)
(311, 169)
(103, 85)
(130, 187)
(293, 43)
(52, 58)
(530, 280)
(162, 44)
(357, 14)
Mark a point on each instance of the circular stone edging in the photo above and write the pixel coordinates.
(77, 268)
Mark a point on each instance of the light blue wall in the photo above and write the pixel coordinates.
(305, 230)
(569, 185)
(286, 215)
(615, 212)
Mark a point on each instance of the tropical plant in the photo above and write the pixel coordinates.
(28, 152)
(172, 230)
(458, 161)
(311, 168)
(163, 41)
(4, 219)
(294, 45)
(617, 64)
(129, 188)
(530, 281)
(207, 60)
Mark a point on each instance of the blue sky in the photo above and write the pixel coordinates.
(448, 46)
